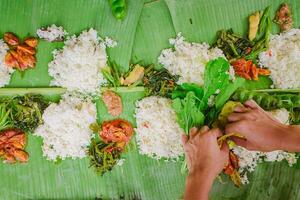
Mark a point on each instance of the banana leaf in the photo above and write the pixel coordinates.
(141, 36)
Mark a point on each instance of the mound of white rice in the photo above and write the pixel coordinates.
(248, 160)
(283, 59)
(52, 33)
(188, 60)
(65, 131)
(78, 65)
(158, 135)
(5, 71)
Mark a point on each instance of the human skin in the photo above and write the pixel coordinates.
(262, 132)
(205, 160)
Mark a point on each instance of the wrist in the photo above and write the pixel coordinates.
(198, 185)
(202, 174)
(292, 141)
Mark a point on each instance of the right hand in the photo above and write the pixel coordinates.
(262, 132)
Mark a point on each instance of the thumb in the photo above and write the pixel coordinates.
(184, 139)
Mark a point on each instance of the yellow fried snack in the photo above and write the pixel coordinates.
(253, 25)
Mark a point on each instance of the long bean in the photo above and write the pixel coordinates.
(268, 101)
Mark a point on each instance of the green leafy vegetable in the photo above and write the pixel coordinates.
(190, 101)
(5, 122)
(216, 79)
(226, 93)
(112, 74)
(103, 157)
(25, 111)
(182, 90)
(232, 44)
(159, 82)
(236, 46)
(188, 112)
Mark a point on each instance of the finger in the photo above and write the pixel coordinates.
(234, 117)
(217, 132)
(237, 127)
(184, 139)
(203, 129)
(193, 132)
(240, 109)
(242, 142)
(252, 104)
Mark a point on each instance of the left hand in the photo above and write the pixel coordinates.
(203, 153)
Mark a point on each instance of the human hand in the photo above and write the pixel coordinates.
(262, 132)
(203, 153)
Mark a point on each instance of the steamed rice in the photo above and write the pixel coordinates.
(5, 71)
(65, 130)
(283, 60)
(188, 60)
(158, 134)
(52, 33)
(78, 65)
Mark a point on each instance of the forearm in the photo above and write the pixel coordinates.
(198, 186)
(292, 139)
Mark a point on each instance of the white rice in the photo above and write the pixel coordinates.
(248, 160)
(78, 65)
(158, 134)
(188, 60)
(5, 71)
(283, 60)
(52, 33)
(65, 130)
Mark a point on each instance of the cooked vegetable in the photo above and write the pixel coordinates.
(227, 109)
(134, 76)
(118, 8)
(112, 74)
(231, 168)
(253, 25)
(4, 117)
(268, 101)
(12, 145)
(295, 116)
(235, 46)
(232, 44)
(113, 102)
(159, 82)
(117, 131)
(103, 157)
(262, 39)
(284, 17)
(25, 111)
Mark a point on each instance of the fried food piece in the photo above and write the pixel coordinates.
(11, 39)
(113, 102)
(253, 25)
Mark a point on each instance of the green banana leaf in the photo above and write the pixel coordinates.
(141, 36)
